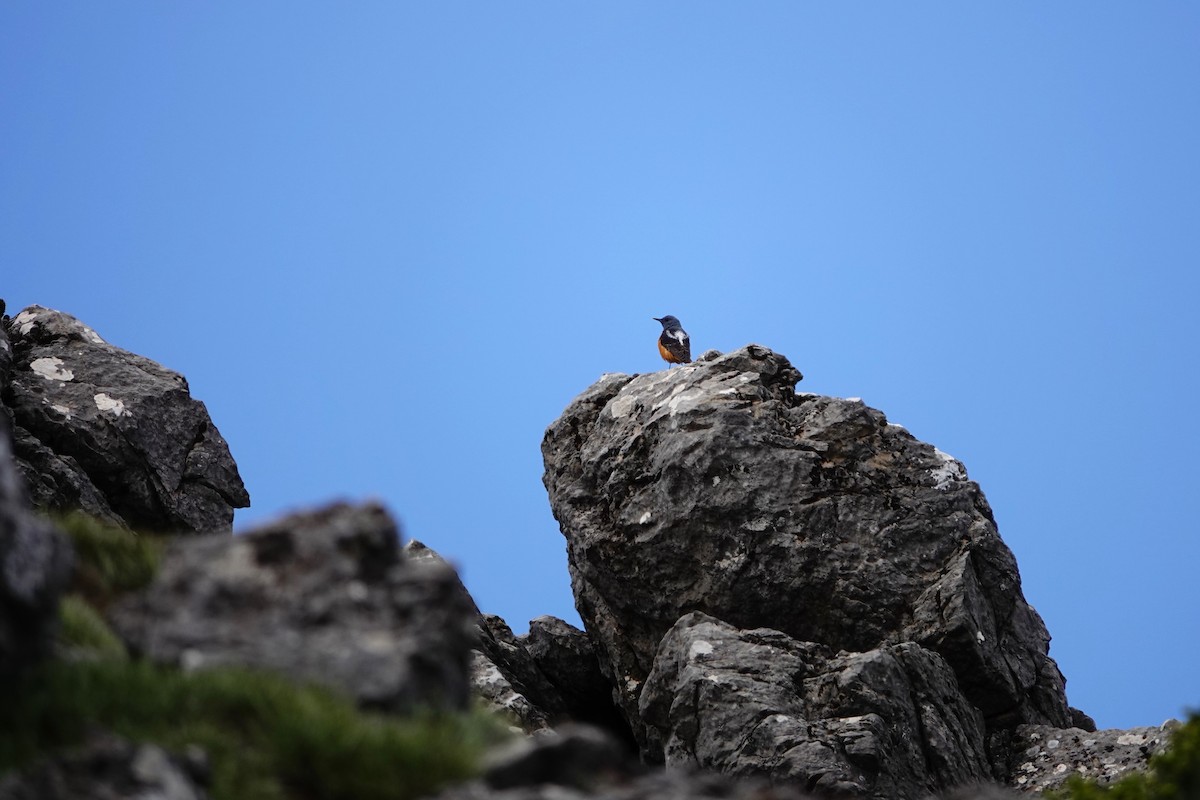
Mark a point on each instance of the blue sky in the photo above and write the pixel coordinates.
(388, 243)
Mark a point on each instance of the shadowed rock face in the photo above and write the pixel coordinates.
(114, 434)
(715, 488)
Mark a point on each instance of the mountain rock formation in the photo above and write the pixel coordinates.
(783, 594)
(102, 430)
(829, 587)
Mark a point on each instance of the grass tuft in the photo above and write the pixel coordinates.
(267, 738)
(84, 632)
(109, 560)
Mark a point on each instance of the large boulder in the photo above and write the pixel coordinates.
(889, 722)
(714, 487)
(325, 596)
(106, 431)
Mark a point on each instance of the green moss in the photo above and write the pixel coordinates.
(83, 630)
(109, 560)
(1173, 774)
(266, 737)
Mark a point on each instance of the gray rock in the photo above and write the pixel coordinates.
(323, 596)
(565, 655)
(35, 566)
(1081, 720)
(714, 487)
(503, 673)
(888, 723)
(1043, 758)
(107, 767)
(114, 434)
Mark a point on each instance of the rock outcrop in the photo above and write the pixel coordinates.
(325, 596)
(715, 488)
(108, 432)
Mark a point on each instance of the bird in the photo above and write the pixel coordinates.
(673, 345)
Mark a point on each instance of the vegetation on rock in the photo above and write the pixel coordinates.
(266, 737)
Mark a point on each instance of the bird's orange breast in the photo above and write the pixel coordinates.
(667, 354)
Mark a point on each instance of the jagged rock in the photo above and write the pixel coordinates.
(887, 723)
(325, 596)
(109, 767)
(114, 434)
(1081, 720)
(35, 566)
(503, 674)
(714, 487)
(1043, 758)
(565, 655)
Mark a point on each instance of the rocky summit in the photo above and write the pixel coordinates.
(784, 582)
(111, 433)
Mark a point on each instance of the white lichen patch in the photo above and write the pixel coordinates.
(700, 648)
(51, 368)
(64, 410)
(112, 405)
(716, 481)
(25, 321)
(91, 335)
(739, 381)
(621, 405)
(949, 470)
(680, 401)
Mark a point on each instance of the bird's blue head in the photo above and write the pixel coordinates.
(669, 323)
